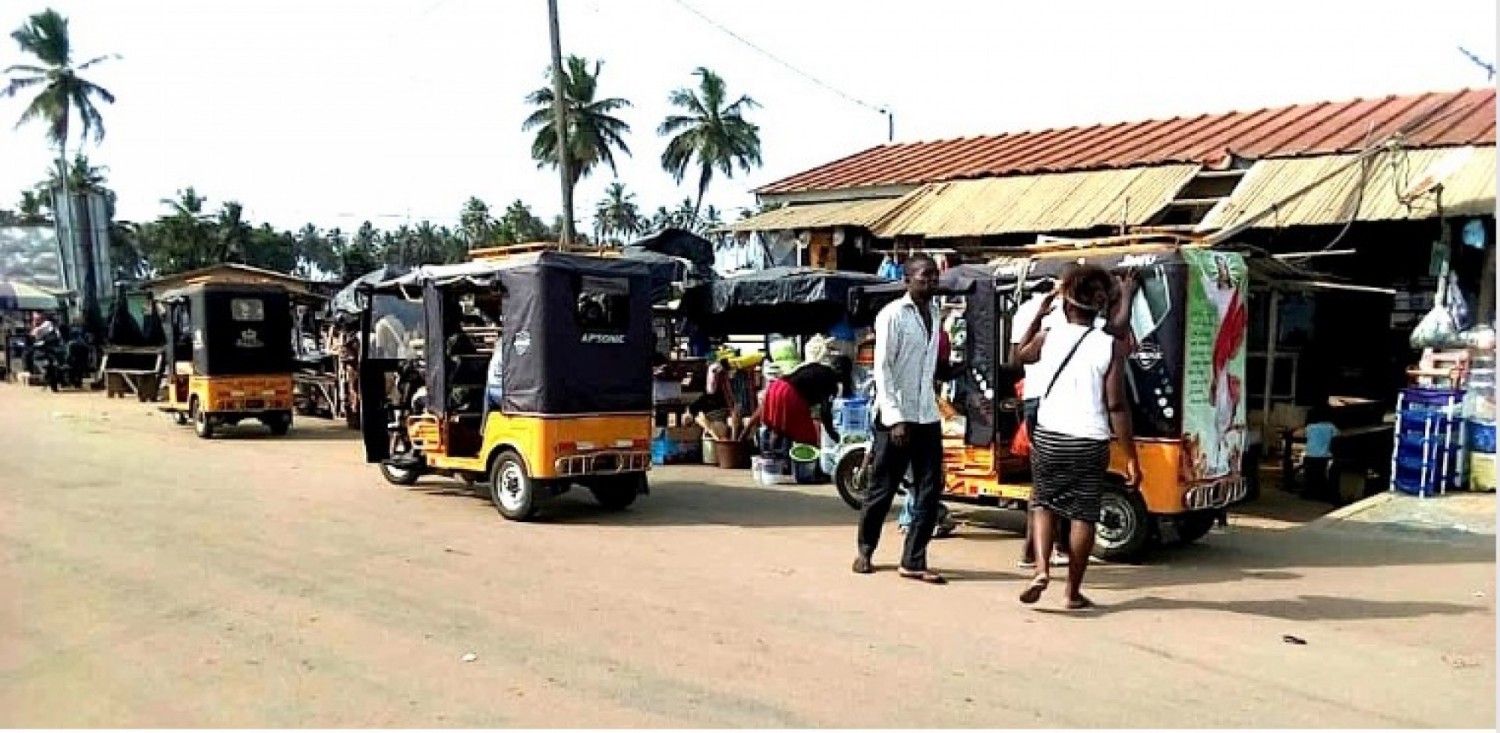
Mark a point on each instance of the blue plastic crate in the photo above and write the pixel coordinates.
(851, 416)
(1481, 436)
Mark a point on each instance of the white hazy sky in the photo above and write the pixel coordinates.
(337, 111)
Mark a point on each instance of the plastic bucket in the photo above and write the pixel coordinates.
(732, 453)
(770, 471)
(1482, 472)
(804, 463)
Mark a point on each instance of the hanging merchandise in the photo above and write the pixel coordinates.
(1439, 328)
(815, 350)
(1457, 306)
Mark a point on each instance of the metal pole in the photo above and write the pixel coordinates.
(1273, 320)
(560, 122)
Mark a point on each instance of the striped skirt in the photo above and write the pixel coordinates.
(1067, 474)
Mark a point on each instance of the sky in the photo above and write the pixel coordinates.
(339, 111)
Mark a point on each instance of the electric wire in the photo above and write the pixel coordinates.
(787, 65)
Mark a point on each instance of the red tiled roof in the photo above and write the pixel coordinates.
(1429, 120)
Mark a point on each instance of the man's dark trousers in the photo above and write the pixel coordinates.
(923, 454)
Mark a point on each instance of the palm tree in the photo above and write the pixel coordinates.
(63, 92)
(475, 222)
(232, 233)
(714, 134)
(617, 215)
(594, 133)
(187, 205)
(83, 176)
(32, 209)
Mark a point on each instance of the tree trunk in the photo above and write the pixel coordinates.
(703, 179)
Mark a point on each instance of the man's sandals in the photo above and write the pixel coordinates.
(863, 566)
(926, 576)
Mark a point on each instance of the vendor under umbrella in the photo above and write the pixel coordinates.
(787, 409)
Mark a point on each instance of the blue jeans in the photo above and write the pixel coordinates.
(904, 521)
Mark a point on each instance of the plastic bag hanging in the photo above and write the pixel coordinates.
(1438, 328)
(1458, 307)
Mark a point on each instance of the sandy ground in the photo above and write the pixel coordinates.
(153, 579)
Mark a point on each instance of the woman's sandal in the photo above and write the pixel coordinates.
(926, 576)
(1034, 590)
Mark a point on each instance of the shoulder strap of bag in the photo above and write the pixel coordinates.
(1064, 364)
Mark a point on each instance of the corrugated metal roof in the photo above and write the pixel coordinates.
(814, 216)
(1429, 120)
(1467, 175)
(1054, 202)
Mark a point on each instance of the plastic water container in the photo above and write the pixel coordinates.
(828, 453)
(1428, 457)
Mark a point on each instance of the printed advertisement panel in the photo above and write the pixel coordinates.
(1213, 420)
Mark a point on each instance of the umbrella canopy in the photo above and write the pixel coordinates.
(17, 296)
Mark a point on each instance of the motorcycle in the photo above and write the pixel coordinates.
(47, 362)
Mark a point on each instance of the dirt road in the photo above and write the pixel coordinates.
(153, 579)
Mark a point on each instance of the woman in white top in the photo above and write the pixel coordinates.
(1082, 403)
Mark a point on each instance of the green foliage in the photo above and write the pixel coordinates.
(709, 132)
(60, 93)
(617, 217)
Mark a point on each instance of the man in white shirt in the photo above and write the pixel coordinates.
(908, 430)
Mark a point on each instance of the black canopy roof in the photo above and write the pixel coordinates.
(352, 300)
(674, 256)
(784, 300)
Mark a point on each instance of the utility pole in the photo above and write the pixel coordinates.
(560, 121)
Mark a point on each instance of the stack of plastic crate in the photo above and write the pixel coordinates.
(1428, 457)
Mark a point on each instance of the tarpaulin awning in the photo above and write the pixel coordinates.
(674, 256)
(784, 300)
(19, 296)
(350, 300)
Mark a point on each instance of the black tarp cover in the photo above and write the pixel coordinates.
(354, 297)
(792, 301)
(961, 280)
(559, 361)
(125, 330)
(678, 243)
(236, 329)
(674, 256)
